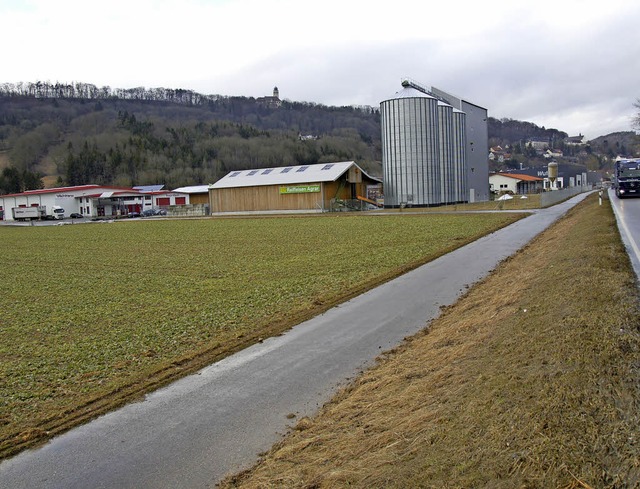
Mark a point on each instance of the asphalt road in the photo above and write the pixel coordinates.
(628, 216)
(195, 431)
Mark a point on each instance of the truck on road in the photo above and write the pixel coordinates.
(626, 179)
(55, 212)
(26, 213)
(37, 212)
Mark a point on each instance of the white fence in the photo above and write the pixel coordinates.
(555, 196)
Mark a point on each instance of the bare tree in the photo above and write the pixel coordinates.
(636, 119)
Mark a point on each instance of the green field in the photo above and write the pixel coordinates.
(94, 315)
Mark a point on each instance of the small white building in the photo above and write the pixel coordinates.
(552, 154)
(500, 183)
(538, 144)
(91, 200)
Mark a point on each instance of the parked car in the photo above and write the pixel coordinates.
(133, 214)
(154, 212)
(76, 215)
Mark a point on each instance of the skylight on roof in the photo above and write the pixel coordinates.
(252, 172)
(286, 170)
(328, 167)
(235, 174)
(267, 171)
(302, 168)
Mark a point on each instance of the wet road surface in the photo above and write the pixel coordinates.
(627, 212)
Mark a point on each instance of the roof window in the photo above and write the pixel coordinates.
(302, 168)
(252, 172)
(267, 171)
(235, 174)
(328, 167)
(286, 170)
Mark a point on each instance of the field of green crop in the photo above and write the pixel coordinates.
(92, 314)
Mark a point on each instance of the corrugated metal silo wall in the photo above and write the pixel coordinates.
(410, 152)
(477, 152)
(477, 146)
(460, 156)
(445, 130)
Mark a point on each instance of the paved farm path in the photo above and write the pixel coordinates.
(193, 432)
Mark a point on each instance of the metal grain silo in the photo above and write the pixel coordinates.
(410, 149)
(460, 156)
(445, 132)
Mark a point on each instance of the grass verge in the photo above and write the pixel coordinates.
(518, 203)
(530, 380)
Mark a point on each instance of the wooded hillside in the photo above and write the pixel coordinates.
(81, 135)
(71, 134)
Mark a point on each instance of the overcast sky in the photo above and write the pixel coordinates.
(565, 64)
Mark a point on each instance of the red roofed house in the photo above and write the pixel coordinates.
(501, 183)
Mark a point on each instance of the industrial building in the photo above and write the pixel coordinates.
(569, 175)
(434, 148)
(305, 188)
(92, 200)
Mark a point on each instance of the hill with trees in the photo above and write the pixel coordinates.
(596, 154)
(506, 132)
(617, 143)
(71, 134)
(80, 134)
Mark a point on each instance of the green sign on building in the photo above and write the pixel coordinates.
(299, 189)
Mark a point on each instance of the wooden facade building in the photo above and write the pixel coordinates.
(304, 188)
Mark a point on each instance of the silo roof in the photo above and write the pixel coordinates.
(410, 92)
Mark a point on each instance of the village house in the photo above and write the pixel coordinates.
(515, 183)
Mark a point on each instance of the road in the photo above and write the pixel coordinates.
(628, 216)
(193, 432)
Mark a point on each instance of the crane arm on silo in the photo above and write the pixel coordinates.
(407, 82)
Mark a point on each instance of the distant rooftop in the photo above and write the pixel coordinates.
(148, 188)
